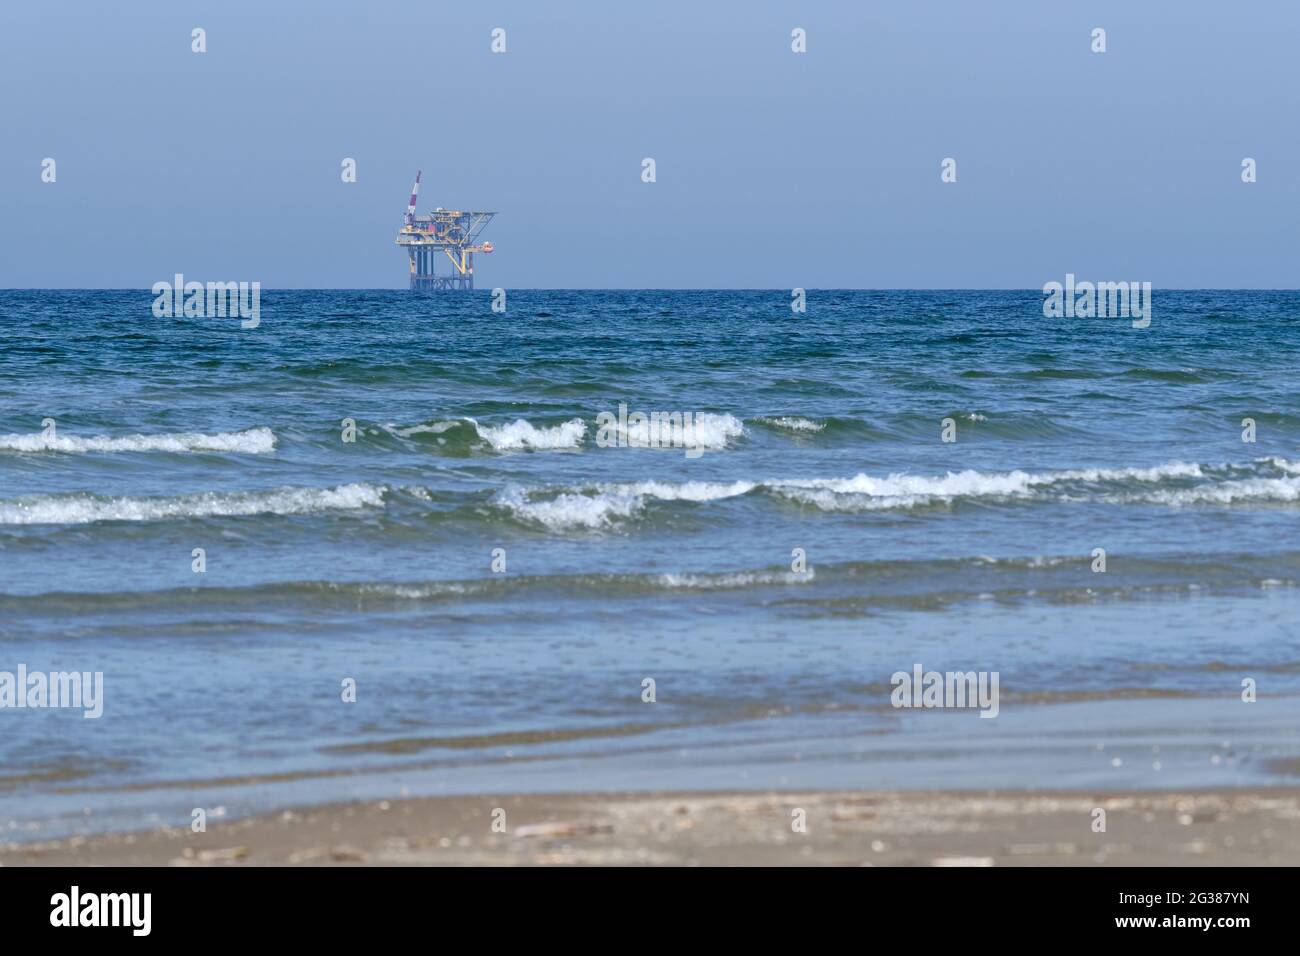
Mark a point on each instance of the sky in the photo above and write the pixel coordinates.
(774, 169)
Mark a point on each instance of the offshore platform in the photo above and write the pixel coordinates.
(447, 231)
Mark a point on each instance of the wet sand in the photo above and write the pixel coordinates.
(862, 828)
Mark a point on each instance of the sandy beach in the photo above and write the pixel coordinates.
(862, 828)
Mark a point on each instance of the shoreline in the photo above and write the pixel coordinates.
(1247, 827)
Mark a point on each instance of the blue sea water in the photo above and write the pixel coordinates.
(476, 440)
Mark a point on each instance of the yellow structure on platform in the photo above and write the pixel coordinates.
(448, 231)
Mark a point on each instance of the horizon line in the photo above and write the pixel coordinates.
(451, 293)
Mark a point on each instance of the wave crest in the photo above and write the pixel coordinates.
(520, 434)
(253, 441)
(793, 423)
(87, 509)
(463, 434)
(1172, 484)
(704, 430)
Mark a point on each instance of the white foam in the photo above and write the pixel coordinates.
(1173, 469)
(714, 431)
(521, 434)
(900, 491)
(572, 510)
(1288, 466)
(863, 492)
(739, 579)
(86, 509)
(602, 505)
(254, 441)
(1261, 490)
(705, 430)
(680, 491)
(417, 592)
(609, 503)
(794, 423)
(962, 483)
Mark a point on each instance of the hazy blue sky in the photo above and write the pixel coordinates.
(774, 169)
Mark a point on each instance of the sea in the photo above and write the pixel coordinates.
(387, 544)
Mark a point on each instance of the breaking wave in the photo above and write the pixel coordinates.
(523, 435)
(1173, 484)
(600, 506)
(463, 434)
(87, 509)
(792, 423)
(254, 441)
(571, 510)
(705, 430)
